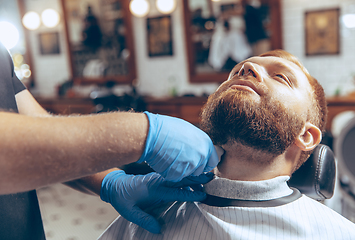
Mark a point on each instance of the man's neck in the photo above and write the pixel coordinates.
(248, 164)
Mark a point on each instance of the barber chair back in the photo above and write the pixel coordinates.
(316, 177)
(345, 154)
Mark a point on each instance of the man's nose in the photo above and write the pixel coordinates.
(249, 68)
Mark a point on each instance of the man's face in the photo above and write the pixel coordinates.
(263, 104)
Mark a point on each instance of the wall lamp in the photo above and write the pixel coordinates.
(140, 8)
(49, 17)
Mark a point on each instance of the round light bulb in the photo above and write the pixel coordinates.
(25, 66)
(349, 20)
(139, 8)
(11, 36)
(50, 18)
(31, 20)
(26, 73)
(18, 58)
(166, 6)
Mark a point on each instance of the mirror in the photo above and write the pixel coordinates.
(11, 13)
(219, 34)
(99, 36)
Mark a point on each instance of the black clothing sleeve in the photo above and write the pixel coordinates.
(20, 216)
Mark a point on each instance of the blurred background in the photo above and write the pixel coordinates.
(167, 57)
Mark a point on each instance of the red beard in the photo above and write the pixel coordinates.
(265, 126)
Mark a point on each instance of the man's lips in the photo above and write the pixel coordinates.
(244, 85)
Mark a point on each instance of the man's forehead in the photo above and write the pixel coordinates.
(272, 61)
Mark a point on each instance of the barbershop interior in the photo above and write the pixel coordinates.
(166, 57)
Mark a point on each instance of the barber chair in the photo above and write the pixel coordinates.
(106, 100)
(316, 177)
(344, 148)
(345, 152)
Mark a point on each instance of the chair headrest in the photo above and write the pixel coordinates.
(345, 151)
(316, 177)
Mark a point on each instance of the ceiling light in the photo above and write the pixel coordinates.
(349, 20)
(139, 8)
(166, 6)
(12, 36)
(50, 18)
(31, 20)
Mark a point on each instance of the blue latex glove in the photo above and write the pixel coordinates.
(129, 194)
(177, 149)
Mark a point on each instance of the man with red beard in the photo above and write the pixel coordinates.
(268, 117)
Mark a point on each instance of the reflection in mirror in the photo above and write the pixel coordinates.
(13, 38)
(222, 33)
(100, 40)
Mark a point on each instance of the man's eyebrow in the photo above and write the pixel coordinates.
(290, 74)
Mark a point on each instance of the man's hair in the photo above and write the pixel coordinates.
(317, 115)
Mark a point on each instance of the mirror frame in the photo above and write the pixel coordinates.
(28, 55)
(126, 79)
(275, 40)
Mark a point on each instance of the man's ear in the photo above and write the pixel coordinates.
(309, 138)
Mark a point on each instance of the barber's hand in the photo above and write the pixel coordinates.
(177, 149)
(129, 194)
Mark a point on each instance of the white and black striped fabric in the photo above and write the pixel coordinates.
(303, 218)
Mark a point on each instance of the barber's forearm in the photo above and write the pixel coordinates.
(27, 105)
(39, 151)
(90, 184)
